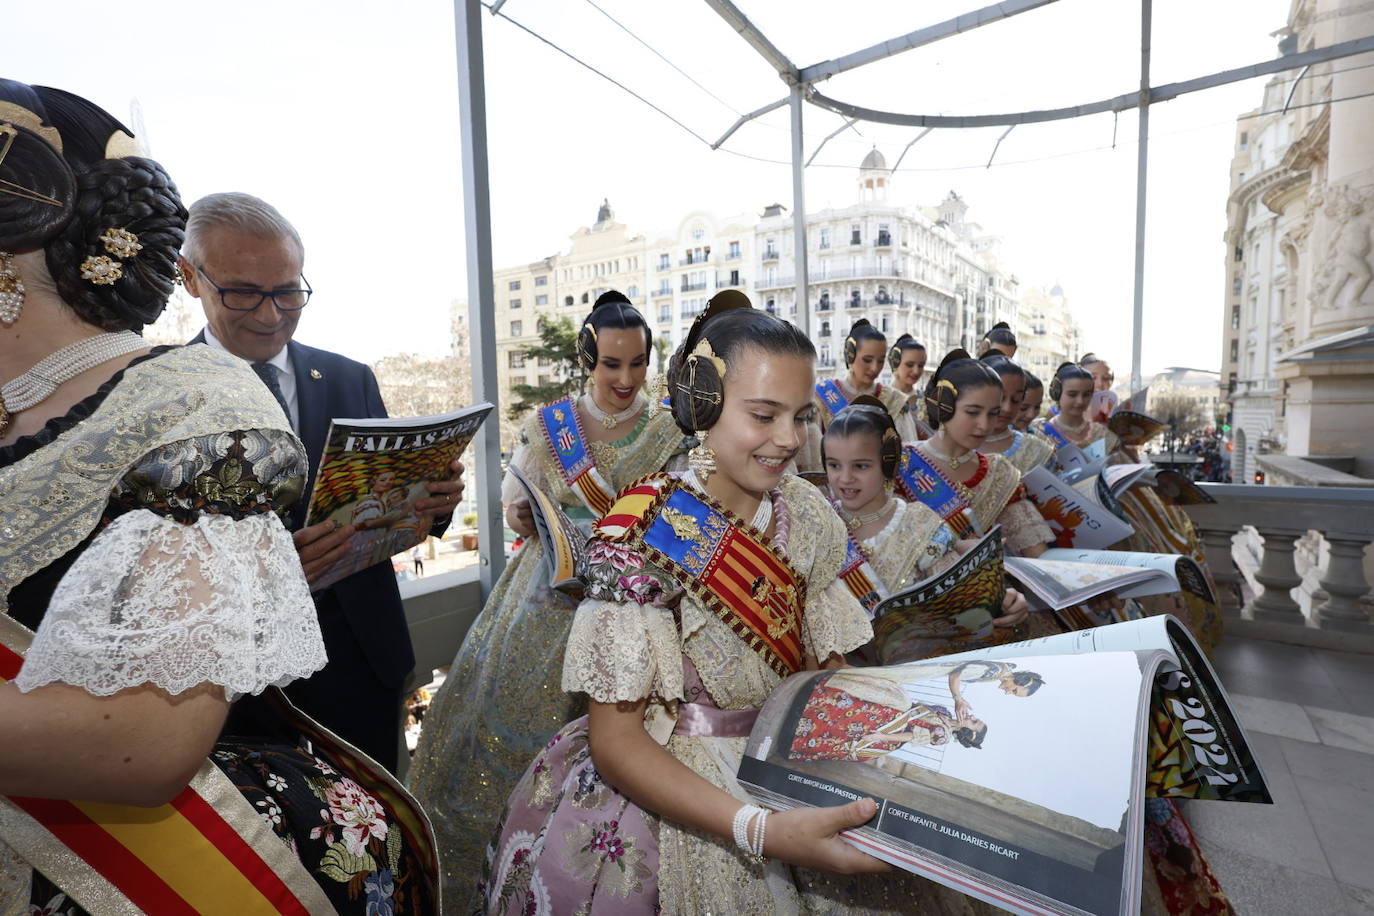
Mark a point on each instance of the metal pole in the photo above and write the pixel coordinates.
(1142, 159)
(486, 448)
(803, 290)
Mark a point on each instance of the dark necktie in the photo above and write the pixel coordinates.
(268, 374)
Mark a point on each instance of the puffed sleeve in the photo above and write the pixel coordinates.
(193, 581)
(1022, 524)
(624, 644)
(836, 622)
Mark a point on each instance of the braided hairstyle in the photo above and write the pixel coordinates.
(904, 343)
(696, 379)
(611, 310)
(59, 148)
(862, 330)
(867, 415)
(957, 375)
(999, 335)
(1064, 373)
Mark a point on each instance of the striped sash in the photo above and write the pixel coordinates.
(204, 852)
(722, 562)
(860, 576)
(920, 481)
(563, 433)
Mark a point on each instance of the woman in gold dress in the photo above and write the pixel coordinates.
(907, 358)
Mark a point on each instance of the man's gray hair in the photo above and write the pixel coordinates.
(240, 212)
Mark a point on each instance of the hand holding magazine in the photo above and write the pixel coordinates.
(565, 555)
(1016, 773)
(371, 473)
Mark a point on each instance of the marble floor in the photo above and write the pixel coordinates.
(1310, 714)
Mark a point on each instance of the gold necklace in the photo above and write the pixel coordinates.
(952, 461)
(611, 420)
(855, 522)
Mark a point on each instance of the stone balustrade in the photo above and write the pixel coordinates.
(1253, 535)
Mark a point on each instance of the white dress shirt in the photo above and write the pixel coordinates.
(286, 376)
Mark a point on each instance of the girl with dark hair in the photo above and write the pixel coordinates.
(1024, 450)
(153, 601)
(635, 808)
(1031, 402)
(865, 350)
(907, 358)
(1103, 377)
(1000, 339)
(892, 543)
(501, 700)
(970, 490)
(1071, 390)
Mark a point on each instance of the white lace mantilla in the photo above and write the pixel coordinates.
(153, 601)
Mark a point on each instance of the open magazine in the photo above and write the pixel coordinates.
(1015, 774)
(1172, 571)
(565, 556)
(372, 472)
(1076, 520)
(1121, 477)
(1063, 578)
(952, 608)
(1133, 427)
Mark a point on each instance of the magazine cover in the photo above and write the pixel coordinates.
(565, 554)
(372, 472)
(1014, 774)
(953, 608)
(1076, 520)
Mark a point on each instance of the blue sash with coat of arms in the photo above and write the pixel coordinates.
(563, 433)
(920, 481)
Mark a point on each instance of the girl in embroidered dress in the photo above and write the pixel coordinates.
(908, 361)
(673, 685)
(141, 497)
(1031, 402)
(1024, 450)
(865, 349)
(899, 542)
(1071, 390)
(502, 699)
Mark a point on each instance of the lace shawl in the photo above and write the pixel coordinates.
(911, 546)
(625, 644)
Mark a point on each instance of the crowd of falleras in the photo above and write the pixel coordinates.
(167, 663)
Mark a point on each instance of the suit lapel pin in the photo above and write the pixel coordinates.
(316, 374)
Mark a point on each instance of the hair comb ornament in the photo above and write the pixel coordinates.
(121, 243)
(946, 383)
(101, 270)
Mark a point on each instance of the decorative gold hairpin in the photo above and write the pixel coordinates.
(101, 270)
(121, 243)
(946, 383)
(8, 133)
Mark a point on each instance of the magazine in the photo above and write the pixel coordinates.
(1077, 521)
(1136, 401)
(372, 472)
(1178, 488)
(952, 608)
(565, 554)
(1057, 583)
(1134, 428)
(1180, 572)
(1015, 774)
(1121, 477)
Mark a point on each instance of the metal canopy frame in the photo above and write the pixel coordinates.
(800, 82)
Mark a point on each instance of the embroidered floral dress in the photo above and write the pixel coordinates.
(569, 843)
(1028, 450)
(184, 575)
(809, 459)
(911, 417)
(502, 697)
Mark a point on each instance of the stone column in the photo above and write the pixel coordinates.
(1345, 583)
(1279, 576)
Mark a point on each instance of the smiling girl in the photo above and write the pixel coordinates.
(1024, 450)
(502, 700)
(1072, 390)
(865, 350)
(908, 361)
(705, 590)
(1031, 403)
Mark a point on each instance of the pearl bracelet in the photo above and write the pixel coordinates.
(749, 826)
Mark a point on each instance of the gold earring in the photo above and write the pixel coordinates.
(702, 458)
(11, 289)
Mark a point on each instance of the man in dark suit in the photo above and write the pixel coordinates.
(243, 261)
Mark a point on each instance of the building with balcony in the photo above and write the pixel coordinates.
(1047, 334)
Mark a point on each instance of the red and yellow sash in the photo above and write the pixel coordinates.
(720, 560)
(207, 851)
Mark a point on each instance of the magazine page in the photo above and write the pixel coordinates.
(954, 607)
(371, 473)
(1058, 584)
(1018, 782)
(1184, 572)
(1075, 520)
(1121, 477)
(564, 543)
(1134, 428)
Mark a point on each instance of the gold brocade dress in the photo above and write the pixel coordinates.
(809, 458)
(502, 697)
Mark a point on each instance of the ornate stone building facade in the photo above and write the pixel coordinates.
(1298, 351)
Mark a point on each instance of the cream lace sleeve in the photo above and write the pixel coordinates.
(836, 622)
(528, 463)
(622, 652)
(154, 601)
(1023, 526)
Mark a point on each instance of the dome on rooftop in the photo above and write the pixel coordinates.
(1056, 290)
(874, 160)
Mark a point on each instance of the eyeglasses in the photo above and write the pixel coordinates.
(238, 299)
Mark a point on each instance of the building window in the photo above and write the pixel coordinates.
(543, 381)
(734, 278)
(544, 363)
(541, 299)
(568, 300)
(515, 303)
(855, 235)
(825, 329)
(771, 306)
(825, 238)
(634, 291)
(516, 359)
(665, 313)
(513, 285)
(664, 262)
(585, 299)
(884, 236)
(542, 281)
(698, 233)
(1245, 139)
(734, 250)
(539, 325)
(1235, 350)
(517, 328)
(1240, 254)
